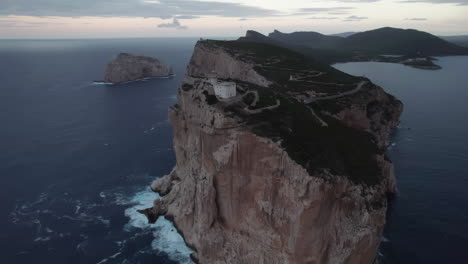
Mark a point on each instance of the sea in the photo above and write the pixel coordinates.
(427, 221)
(77, 157)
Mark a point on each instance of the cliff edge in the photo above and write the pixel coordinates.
(127, 67)
(279, 159)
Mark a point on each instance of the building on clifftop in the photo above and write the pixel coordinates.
(223, 90)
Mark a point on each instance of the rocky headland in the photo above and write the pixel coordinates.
(127, 67)
(279, 159)
(413, 48)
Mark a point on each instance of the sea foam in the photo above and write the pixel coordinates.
(167, 239)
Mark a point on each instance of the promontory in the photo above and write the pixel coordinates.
(127, 67)
(280, 159)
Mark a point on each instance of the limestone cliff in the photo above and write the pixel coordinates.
(289, 170)
(127, 67)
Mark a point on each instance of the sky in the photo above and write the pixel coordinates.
(37, 19)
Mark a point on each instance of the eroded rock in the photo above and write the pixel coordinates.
(127, 67)
(275, 185)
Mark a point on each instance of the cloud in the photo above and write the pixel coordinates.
(187, 17)
(456, 2)
(243, 19)
(131, 8)
(358, 1)
(338, 9)
(20, 23)
(355, 18)
(323, 18)
(175, 24)
(417, 19)
(338, 13)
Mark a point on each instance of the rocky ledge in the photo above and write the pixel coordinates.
(279, 159)
(127, 67)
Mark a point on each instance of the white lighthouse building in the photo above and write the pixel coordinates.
(224, 90)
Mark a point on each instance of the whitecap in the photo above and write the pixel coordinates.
(167, 239)
(104, 221)
(101, 83)
(109, 258)
(42, 239)
(81, 247)
(77, 209)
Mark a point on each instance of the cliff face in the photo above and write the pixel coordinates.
(290, 170)
(127, 67)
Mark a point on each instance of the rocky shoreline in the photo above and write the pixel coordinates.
(424, 63)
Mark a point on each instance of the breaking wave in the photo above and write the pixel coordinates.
(167, 239)
(54, 218)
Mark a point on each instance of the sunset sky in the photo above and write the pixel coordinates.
(229, 18)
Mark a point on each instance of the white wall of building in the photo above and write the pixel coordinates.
(224, 90)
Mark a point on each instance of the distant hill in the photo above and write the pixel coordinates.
(458, 40)
(255, 36)
(310, 39)
(402, 42)
(344, 34)
(324, 55)
(361, 46)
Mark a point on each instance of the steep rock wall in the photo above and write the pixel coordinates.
(239, 198)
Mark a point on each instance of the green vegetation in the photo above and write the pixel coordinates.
(336, 148)
(340, 149)
(277, 63)
(401, 41)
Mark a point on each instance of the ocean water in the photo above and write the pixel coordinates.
(428, 219)
(76, 158)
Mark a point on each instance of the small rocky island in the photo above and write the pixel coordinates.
(127, 67)
(280, 159)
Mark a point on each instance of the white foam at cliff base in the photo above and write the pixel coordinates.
(101, 83)
(167, 239)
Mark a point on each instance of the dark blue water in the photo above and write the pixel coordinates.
(428, 220)
(76, 159)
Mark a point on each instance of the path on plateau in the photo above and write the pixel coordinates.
(330, 97)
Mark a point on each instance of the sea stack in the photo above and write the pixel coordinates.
(127, 67)
(289, 168)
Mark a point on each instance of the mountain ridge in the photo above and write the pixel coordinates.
(410, 44)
